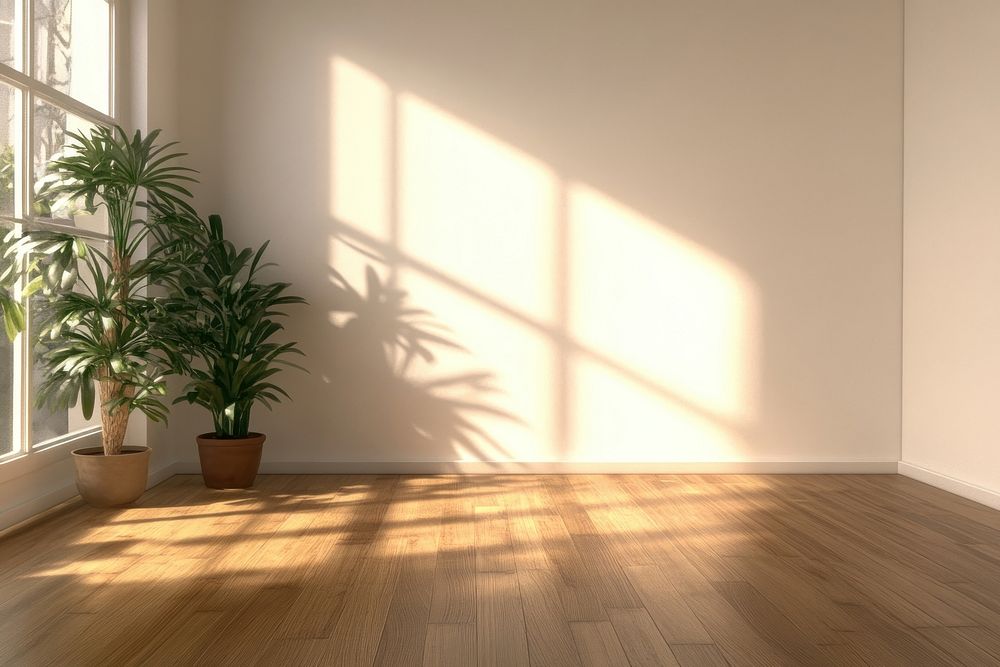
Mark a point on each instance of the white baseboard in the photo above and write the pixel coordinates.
(31, 509)
(878, 466)
(970, 491)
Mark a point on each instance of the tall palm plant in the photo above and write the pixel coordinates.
(94, 320)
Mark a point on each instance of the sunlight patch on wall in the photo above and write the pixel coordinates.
(653, 358)
(615, 418)
(476, 209)
(661, 306)
(360, 149)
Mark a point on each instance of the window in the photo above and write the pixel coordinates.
(71, 42)
(56, 75)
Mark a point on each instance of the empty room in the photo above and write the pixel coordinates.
(499, 332)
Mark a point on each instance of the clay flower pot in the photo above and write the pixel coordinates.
(107, 481)
(230, 463)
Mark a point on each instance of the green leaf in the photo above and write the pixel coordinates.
(117, 363)
(87, 398)
(33, 286)
(13, 319)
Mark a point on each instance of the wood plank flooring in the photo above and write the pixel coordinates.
(511, 570)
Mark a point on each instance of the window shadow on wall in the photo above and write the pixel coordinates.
(607, 336)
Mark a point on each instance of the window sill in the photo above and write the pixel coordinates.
(47, 453)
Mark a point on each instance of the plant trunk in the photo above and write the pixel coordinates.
(113, 422)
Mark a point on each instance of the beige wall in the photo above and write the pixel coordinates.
(951, 360)
(671, 233)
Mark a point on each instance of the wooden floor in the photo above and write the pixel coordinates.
(511, 570)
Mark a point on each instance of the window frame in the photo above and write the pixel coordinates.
(28, 91)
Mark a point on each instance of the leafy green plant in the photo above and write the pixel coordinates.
(94, 322)
(226, 346)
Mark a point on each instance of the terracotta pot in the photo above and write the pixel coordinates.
(107, 481)
(230, 463)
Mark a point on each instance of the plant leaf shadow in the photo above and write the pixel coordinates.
(383, 356)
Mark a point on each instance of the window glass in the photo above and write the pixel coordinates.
(69, 43)
(10, 111)
(6, 395)
(50, 127)
(10, 30)
(72, 48)
(6, 380)
(46, 422)
(9, 115)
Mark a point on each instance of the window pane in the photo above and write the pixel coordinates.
(51, 125)
(10, 31)
(6, 379)
(6, 395)
(48, 423)
(10, 112)
(72, 48)
(45, 423)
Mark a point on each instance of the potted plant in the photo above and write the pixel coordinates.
(227, 350)
(95, 345)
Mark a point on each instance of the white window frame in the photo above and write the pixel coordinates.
(30, 89)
